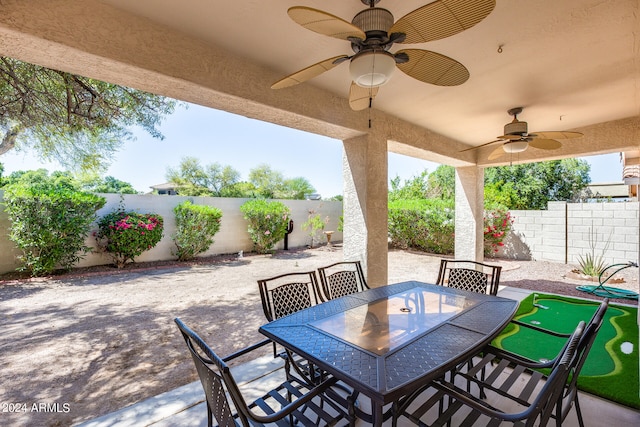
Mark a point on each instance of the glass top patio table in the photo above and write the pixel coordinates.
(386, 342)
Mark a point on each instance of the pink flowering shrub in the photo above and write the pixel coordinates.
(125, 235)
(497, 224)
(267, 223)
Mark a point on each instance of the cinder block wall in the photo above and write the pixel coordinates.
(232, 237)
(567, 231)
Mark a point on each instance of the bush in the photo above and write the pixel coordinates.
(50, 226)
(268, 222)
(497, 224)
(425, 224)
(195, 227)
(314, 224)
(125, 235)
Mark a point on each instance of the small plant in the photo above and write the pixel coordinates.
(315, 224)
(125, 235)
(195, 227)
(50, 226)
(497, 224)
(268, 223)
(591, 264)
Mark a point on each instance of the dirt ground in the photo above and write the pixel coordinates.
(80, 345)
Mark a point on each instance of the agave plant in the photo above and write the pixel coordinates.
(590, 264)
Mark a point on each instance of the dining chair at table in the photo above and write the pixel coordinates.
(342, 278)
(569, 397)
(518, 395)
(291, 403)
(283, 295)
(469, 276)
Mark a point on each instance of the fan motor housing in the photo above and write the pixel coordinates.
(373, 19)
(516, 127)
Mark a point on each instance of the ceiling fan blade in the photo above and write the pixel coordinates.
(324, 23)
(308, 73)
(545, 144)
(497, 153)
(434, 68)
(511, 137)
(481, 145)
(556, 135)
(360, 97)
(441, 18)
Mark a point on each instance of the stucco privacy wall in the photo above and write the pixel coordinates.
(232, 237)
(567, 230)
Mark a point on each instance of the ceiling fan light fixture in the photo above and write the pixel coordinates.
(515, 146)
(372, 69)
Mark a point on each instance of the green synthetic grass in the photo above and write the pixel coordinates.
(611, 369)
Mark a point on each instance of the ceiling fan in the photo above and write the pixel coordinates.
(372, 33)
(517, 138)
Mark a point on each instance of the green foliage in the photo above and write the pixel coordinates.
(125, 235)
(41, 180)
(412, 189)
(591, 264)
(295, 189)
(108, 184)
(50, 225)
(426, 224)
(77, 121)
(195, 227)
(497, 224)
(314, 224)
(531, 186)
(442, 183)
(268, 222)
(193, 179)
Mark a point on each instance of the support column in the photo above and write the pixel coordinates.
(366, 205)
(469, 241)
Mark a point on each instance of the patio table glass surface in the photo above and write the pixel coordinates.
(388, 341)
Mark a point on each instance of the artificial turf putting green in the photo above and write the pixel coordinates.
(611, 369)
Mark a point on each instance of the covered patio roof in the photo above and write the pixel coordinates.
(573, 65)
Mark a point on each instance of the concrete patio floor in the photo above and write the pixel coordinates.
(185, 405)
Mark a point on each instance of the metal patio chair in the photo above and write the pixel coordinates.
(291, 403)
(286, 294)
(342, 278)
(530, 396)
(469, 276)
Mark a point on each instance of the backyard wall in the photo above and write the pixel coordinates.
(566, 231)
(232, 237)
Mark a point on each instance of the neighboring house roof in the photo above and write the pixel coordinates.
(165, 186)
(609, 189)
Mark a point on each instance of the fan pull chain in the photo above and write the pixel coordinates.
(370, 103)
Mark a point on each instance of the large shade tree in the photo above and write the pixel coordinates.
(214, 179)
(77, 121)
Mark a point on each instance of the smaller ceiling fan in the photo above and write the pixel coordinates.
(516, 138)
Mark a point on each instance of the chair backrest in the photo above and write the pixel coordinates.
(342, 278)
(215, 377)
(469, 276)
(287, 293)
(584, 346)
(554, 387)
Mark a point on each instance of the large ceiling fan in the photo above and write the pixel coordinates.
(372, 33)
(517, 138)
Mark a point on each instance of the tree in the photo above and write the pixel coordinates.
(214, 179)
(76, 121)
(532, 185)
(295, 188)
(108, 184)
(413, 189)
(40, 180)
(442, 183)
(266, 180)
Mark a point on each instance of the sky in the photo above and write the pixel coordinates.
(214, 136)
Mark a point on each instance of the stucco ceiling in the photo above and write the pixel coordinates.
(570, 63)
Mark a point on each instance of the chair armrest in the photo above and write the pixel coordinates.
(293, 406)
(468, 400)
(518, 359)
(539, 329)
(246, 350)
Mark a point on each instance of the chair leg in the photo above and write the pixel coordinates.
(578, 412)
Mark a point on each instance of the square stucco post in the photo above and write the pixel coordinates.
(365, 205)
(469, 241)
